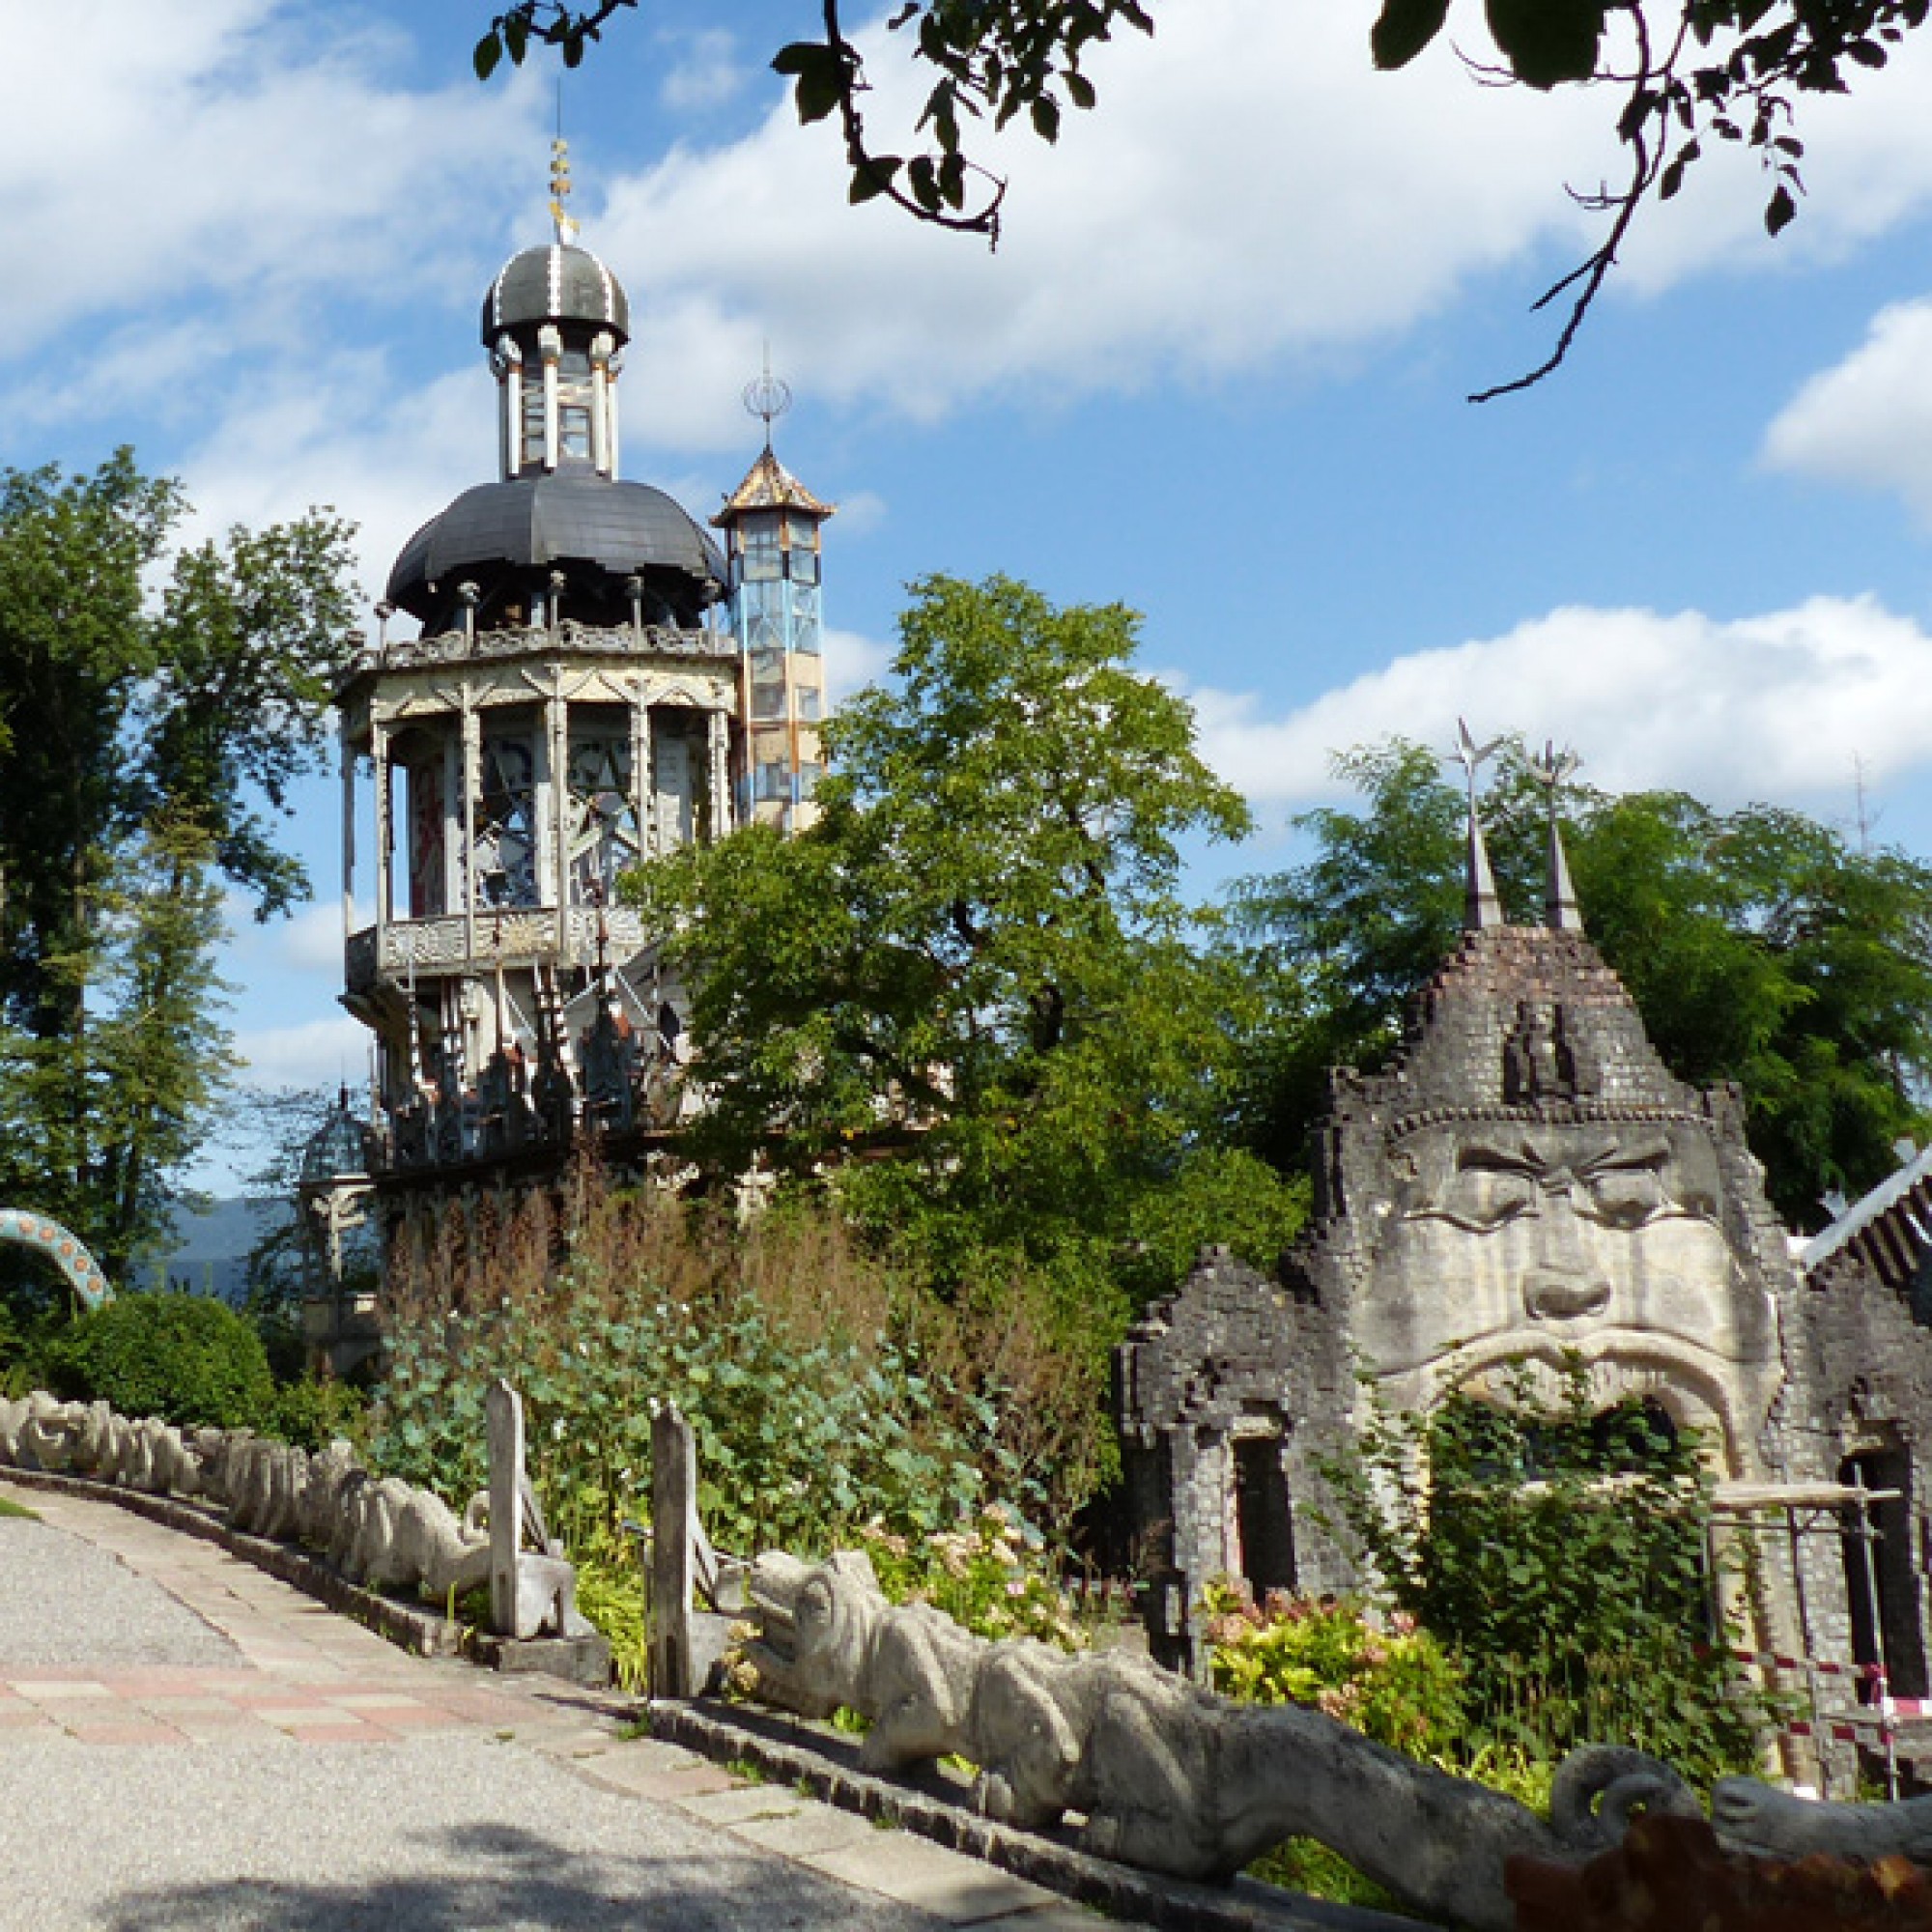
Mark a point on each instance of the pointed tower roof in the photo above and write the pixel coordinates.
(769, 485)
(1560, 911)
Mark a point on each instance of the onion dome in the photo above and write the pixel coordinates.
(338, 1149)
(559, 283)
(520, 530)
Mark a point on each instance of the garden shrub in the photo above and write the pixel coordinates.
(989, 1574)
(795, 1444)
(314, 1411)
(1559, 1554)
(1393, 1682)
(1387, 1678)
(188, 1359)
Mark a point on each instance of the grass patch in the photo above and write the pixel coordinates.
(17, 1509)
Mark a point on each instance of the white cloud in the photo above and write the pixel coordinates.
(343, 432)
(1766, 707)
(1248, 189)
(852, 661)
(1868, 419)
(1247, 186)
(231, 147)
(318, 1053)
(705, 71)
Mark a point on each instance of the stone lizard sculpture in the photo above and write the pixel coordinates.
(376, 1531)
(1756, 1817)
(1168, 1776)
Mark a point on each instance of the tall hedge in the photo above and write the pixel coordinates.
(187, 1358)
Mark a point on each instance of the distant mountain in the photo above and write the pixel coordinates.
(209, 1252)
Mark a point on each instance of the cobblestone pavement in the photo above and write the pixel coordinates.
(185, 1742)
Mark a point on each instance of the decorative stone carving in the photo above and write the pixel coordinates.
(1755, 1817)
(1168, 1776)
(67, 1251)
(376, 1531)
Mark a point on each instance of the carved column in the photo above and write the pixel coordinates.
(472, 781)
(673, 1537)
(378, 756)
(640, 773)
(718, 763)
(557, 727)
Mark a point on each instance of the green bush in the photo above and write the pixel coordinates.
(1395, 1684)
(796, 1442)
(187, 1358)
(312, 1413)
(988, 1575)
(1558, 1554)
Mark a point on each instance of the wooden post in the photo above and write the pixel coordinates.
(505, 1411)
(673, 1536)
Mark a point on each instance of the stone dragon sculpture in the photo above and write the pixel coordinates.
(377, 1531)
(1167, 1776)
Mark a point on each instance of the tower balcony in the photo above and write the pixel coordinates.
(464, 942)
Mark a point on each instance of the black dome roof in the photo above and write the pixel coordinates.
(538, 521)
(555, 283)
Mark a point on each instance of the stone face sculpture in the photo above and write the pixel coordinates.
(1169, 1777)
(376, 1531)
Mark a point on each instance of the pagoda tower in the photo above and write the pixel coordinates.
(771, 524)
(574, 703)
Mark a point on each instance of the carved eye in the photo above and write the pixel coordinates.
(1483, 1197)
(1626, 1197)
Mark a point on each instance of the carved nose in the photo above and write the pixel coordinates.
(1551, 1296)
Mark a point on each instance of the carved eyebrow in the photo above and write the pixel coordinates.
(1487, 1153)
(1645, 1154)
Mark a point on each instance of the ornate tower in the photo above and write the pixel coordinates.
(771, 524)
(571, 706)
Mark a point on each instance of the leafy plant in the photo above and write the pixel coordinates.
(1559, 1554)
(794, 1443)
(1389, 1679)
(314, 1411)
(988, 1575)
(187, 1358)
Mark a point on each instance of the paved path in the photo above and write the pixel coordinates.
(186, 1742)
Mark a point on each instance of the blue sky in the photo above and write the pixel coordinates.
(1216, 370)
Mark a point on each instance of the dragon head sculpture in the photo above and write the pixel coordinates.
(817, 1624)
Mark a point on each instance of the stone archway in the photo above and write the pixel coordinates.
(67, 1251)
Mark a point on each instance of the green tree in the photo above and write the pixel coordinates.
(142, 736)
(1758, 945)
(976, 969)
(1684, 75)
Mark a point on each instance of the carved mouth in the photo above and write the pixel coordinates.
(1552, 1297)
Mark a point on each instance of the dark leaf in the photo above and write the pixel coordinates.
(489, 52)
(1781, 211)
(1547, 42)
(1405, 27)
(873, 177)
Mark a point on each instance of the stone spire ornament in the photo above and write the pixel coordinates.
(1560, 909)
(1481, 907)
(560, 187)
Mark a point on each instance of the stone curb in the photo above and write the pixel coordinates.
(790, 1752)
(420, 1631)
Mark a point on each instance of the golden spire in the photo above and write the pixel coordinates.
(560, 189)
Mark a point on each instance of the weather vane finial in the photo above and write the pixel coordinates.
(560, 182)
(1482, 907)
(766, 397)
(1560, 911)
